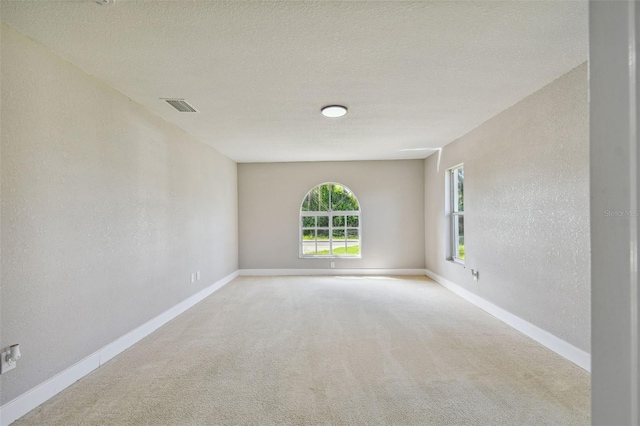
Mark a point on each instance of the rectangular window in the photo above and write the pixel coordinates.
(331, 234)
(456, 213)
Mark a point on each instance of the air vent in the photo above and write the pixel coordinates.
(180, 104)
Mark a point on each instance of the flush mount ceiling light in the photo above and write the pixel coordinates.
(334, 111)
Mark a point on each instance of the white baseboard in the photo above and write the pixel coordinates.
(29, 400)
(282, 272)
(576, 355)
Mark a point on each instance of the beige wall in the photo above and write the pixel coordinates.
(526, 209)
(391, 196)
(106, 210)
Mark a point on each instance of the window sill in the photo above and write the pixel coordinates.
(456, 262)
(330, 257)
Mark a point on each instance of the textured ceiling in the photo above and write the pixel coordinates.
(413, 74)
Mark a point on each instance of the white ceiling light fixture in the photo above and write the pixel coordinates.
(334, 111)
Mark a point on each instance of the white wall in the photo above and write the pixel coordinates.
(614, 80)
(391, 196)
(526, 209)
(106, 209)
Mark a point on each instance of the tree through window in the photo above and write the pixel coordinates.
(330, 222)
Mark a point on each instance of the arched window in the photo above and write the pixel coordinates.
(330, 222)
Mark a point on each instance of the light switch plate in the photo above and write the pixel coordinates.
(4, 365)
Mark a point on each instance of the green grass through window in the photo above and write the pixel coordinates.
(338, 251)
(311, 238)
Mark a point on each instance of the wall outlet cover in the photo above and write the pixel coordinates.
(4, 365)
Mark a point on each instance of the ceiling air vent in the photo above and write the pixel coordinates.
(180, 104)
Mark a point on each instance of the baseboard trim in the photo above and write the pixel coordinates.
(289, 272)
(31, 399)
(576, 355)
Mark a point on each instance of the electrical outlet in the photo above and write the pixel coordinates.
(198, 276)
(475, 274)
(193, 277)
(4, 365)
(333, 264)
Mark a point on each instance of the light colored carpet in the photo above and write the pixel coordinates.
(329, 350)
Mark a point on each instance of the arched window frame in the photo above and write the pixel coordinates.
(330, 228)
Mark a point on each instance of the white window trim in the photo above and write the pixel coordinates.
(330, 228)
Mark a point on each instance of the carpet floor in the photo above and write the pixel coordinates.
(331, 351)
